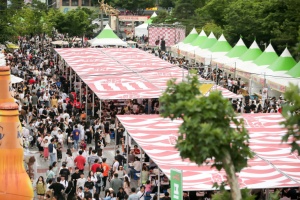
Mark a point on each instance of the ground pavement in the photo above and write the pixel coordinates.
(42, 165)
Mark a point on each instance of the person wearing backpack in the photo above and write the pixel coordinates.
(99, 182)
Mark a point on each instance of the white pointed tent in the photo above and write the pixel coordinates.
(187, 40)
(219, 49)
(198, 41)
(260, 64)
(248, 57)
(282, 72)
(238, 50)
(143, 28)
(106, 38)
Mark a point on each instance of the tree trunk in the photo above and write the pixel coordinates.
(231, 177)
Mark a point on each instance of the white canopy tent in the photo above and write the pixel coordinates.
(107, 37)
(143, 28)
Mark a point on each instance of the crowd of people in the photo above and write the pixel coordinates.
(74, 142)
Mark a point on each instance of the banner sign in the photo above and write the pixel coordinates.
(276, 86)
(130, 18)
(176, 185)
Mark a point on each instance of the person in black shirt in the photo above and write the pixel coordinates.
(57, 188)
(120, 158)
(121, 194)
(64, 171)
(87, 194)
(75, 176)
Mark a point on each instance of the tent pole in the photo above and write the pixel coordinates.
(100, 110)
(80, 92)
(267, 194)
(115, 148)
(86, 98)
(242, 107)
(70, 80)
(149, 106)
(127, 149)
(141, 167)
(158, 185)
(93, 104)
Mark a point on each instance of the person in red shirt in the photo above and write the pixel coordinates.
(80, 162)
(31, 81)
(136, 150)
(106, 169)
(95, 166)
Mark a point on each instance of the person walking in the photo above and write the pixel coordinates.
(80, 162)
(76, 137)
(116, 183)
(106, 169)
(52, 151)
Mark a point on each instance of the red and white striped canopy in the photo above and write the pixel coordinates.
(272, 167)
(124, 73)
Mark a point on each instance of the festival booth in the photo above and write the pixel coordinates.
(250, 55)
(219, 49)
(273, 166)
(107, 38)
(171, 33)
(120, 74)
(237, 51)
(181, 46)
(283, 71)
(198, 41)
(203, 48)
(142, 29)
(257, 67)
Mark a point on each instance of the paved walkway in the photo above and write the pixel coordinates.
(42, 165)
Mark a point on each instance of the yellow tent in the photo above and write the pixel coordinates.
(12, 46)
(204, 88)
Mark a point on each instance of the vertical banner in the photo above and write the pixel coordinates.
(264, 96)
(176, 184)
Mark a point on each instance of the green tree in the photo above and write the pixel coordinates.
(135, 6)
(291, 113)
(167, 3)
(213, 11)
(205, 135)
(212, 27)
(76, 23)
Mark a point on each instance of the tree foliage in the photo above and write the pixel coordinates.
(135, 6)
(291, 113)
(263, 20)
(205, 136)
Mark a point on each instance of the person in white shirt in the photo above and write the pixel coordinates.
(141, 193)
(64, 182)
(80, 193)
(48, 137)
(81, 181)
(116, 165)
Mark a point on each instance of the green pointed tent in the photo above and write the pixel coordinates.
(295, 71)
(252, 53)
(191, 37)
(107, 37)
(149, 21)
(238, 50)
(268, 57)
(221, 45)
(209, 42)
(284, 63)
(200, 39)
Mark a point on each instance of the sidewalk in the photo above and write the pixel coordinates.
(42, 166)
